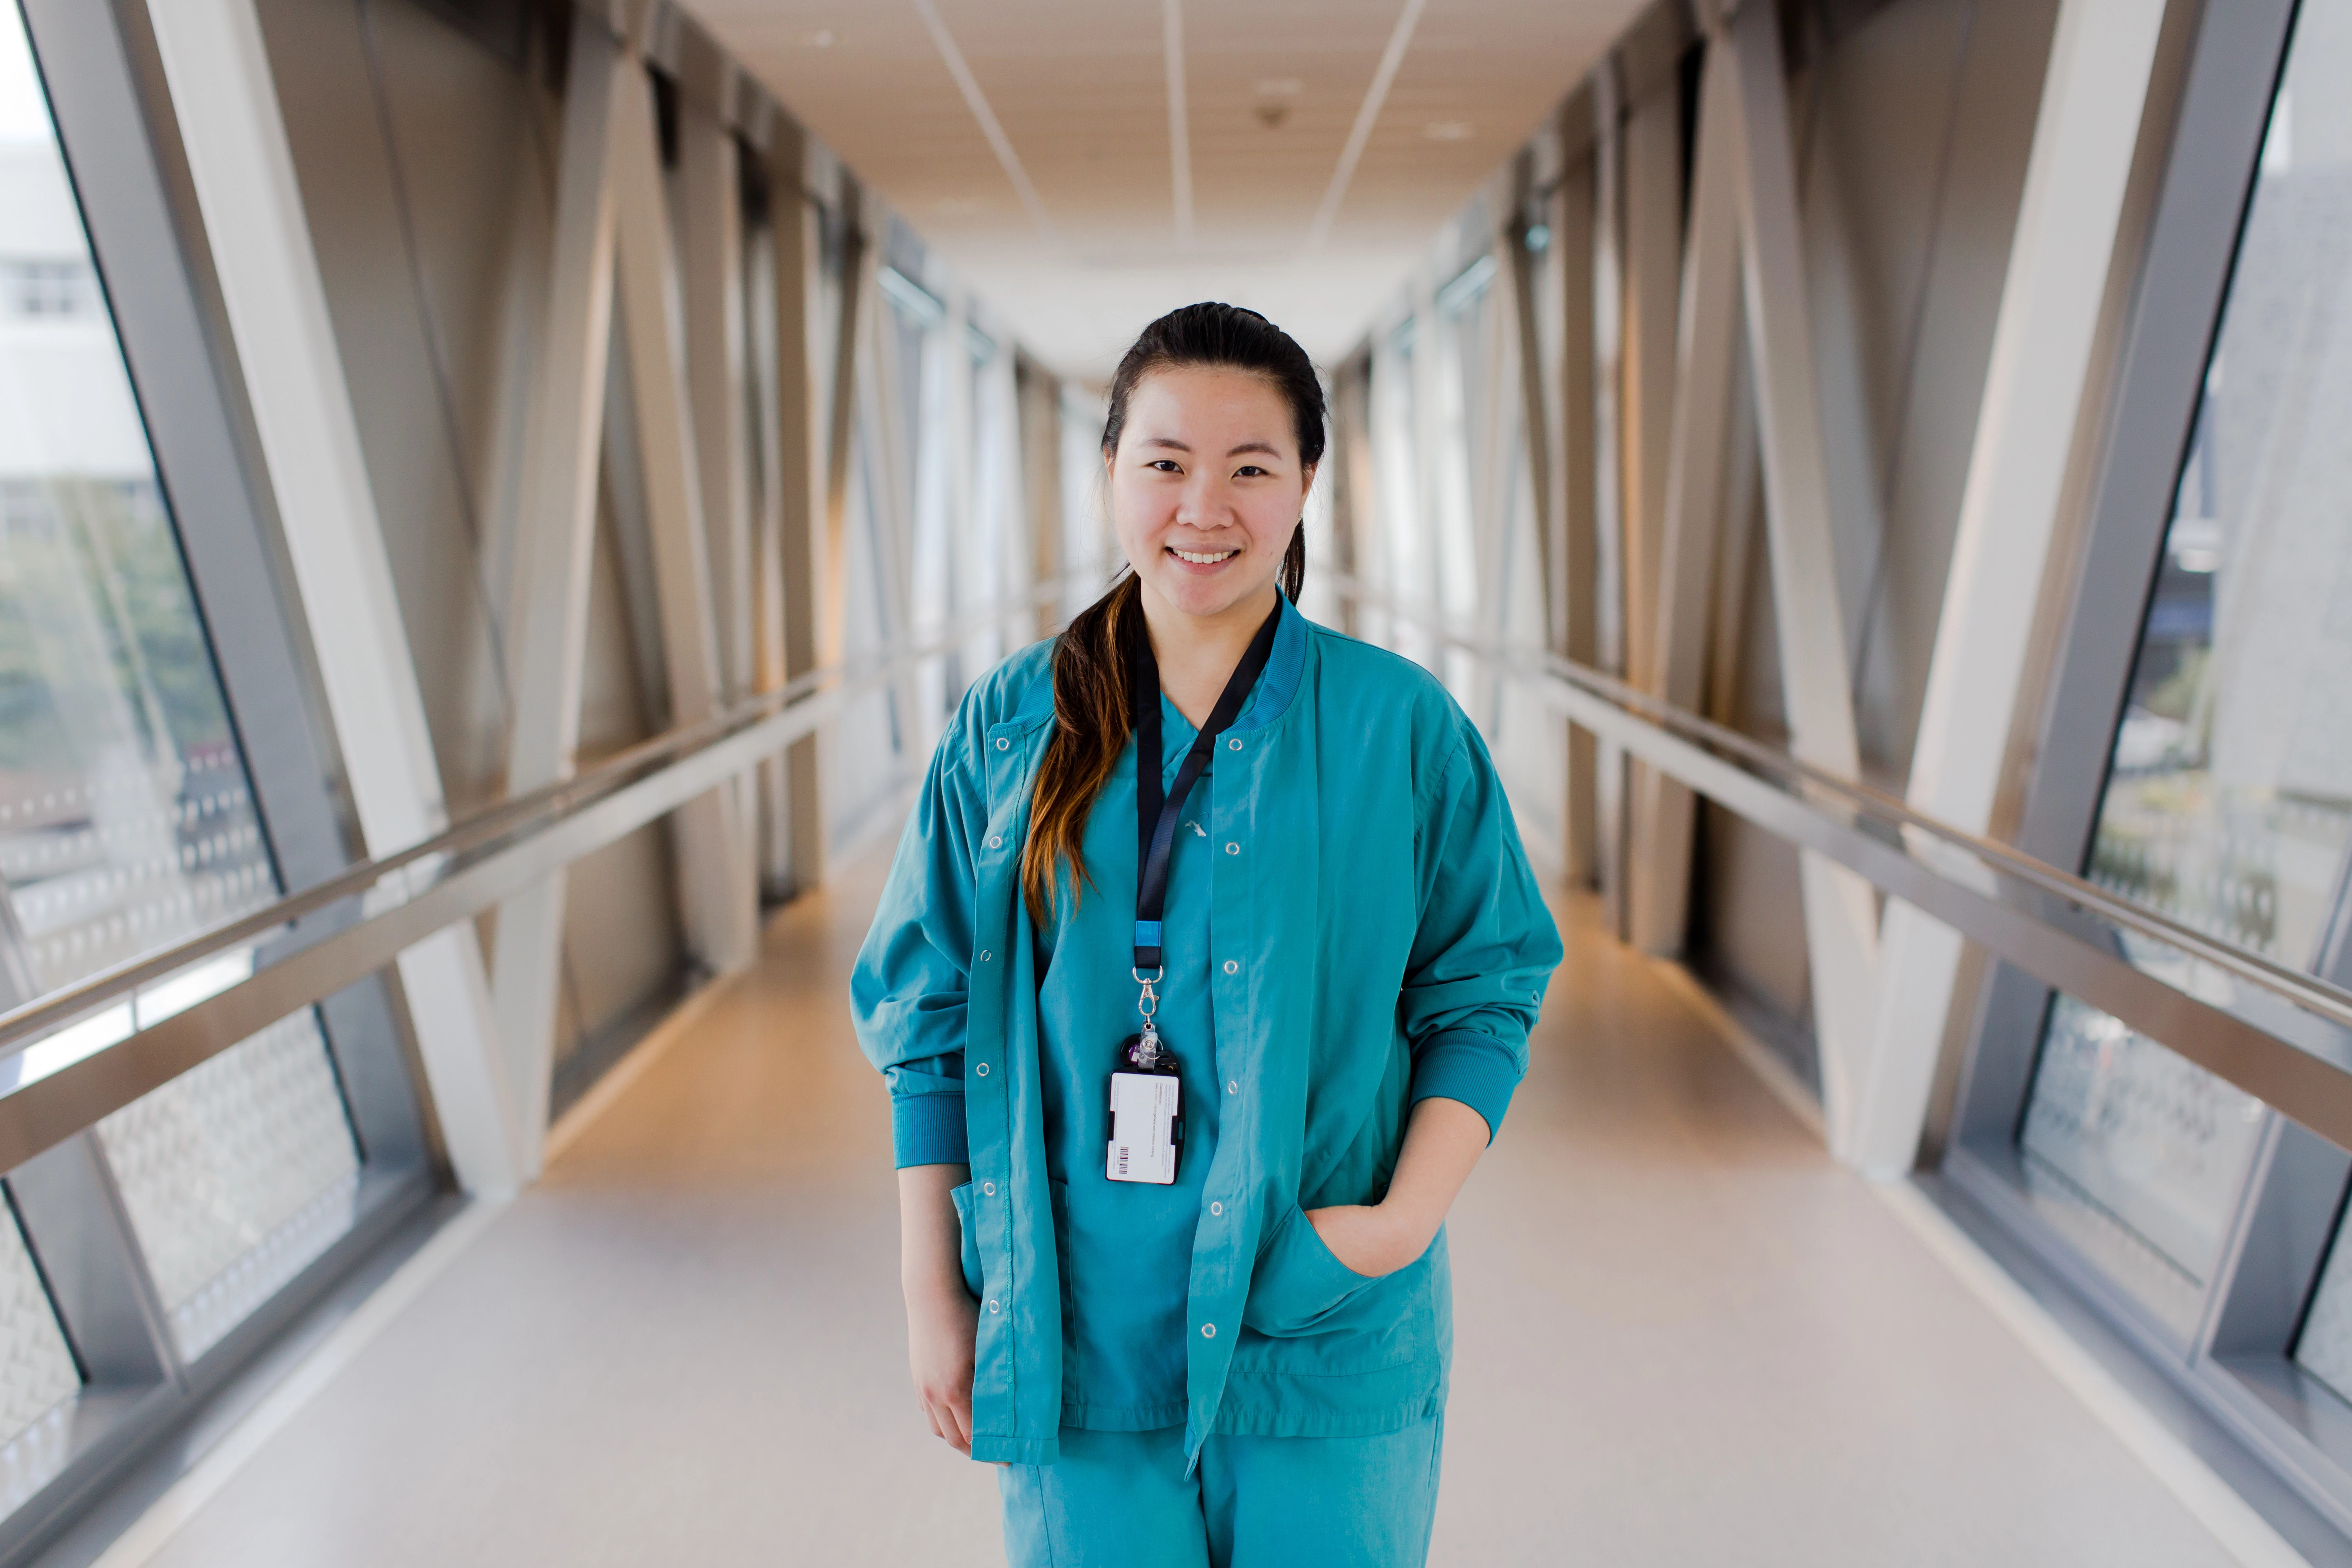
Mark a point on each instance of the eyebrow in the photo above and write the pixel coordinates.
(1173, 445)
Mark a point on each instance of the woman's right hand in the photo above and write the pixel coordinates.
(942, 1319)
(940, 1328)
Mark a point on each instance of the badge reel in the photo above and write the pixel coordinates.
(1147, 1104)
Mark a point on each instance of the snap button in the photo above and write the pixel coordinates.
(981, 1069)
(1233, 848)
(1236, 745)
(1003, 744)
(1232, 1085)
(991, 1306)
(1208, 1331)
(1232, 968)
(995, 840)
(988, 1187)
(1216, 1208)
(985, 955)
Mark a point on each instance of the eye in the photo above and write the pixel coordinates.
(1164, 465)
(1249, 471)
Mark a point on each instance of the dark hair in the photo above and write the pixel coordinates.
(1090, 673)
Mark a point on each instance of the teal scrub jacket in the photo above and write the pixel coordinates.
(1380, 939)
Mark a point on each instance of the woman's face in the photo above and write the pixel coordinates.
(1206, 487)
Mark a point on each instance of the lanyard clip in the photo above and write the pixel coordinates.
(1148, 1002)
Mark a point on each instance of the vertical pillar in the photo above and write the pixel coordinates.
(711, 294)
(952, 357)
(1428, 368)
(225, 99)
(2059, 258)
(1650, 199)
(1538, 432)
(856, 265)
(891, 506)
(1037, 394)
(711, 269)
(1652, 216)
(1576, 567)
(1676, 668)
(795, 490)
(1347, 469)
(547, 618)
(716, 867)
(1841, 915)
(1608, 476)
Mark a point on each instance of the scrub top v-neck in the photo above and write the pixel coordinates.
(1126, 1246)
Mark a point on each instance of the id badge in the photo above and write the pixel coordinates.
(1147, 1122)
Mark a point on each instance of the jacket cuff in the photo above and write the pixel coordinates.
(928, 1130)
(1477, 1069)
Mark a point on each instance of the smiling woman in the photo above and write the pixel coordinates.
(1208, 489)
(1189, 1287)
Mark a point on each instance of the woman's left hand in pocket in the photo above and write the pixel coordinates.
(1370, 1239)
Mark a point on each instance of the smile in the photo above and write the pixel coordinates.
(1203, 557)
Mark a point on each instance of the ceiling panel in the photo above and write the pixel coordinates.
(1272, 90)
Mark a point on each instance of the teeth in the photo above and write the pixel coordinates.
(1202, 558)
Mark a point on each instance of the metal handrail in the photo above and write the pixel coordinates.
(2297, 986)
(2290, 1044)
(473, 865)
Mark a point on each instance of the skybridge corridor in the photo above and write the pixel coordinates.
(1685, 1335)
(501, 500)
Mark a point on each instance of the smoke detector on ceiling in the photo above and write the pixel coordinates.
(1272, 90)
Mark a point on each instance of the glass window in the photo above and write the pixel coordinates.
(236, 1174)
(37, 1372)
(1400, 565)
(2139, 1155)
(1463, 510)
(2229, 804)
(126, 819)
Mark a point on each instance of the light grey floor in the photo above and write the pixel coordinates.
(1684, 1338)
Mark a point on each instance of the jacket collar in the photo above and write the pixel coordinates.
(1284, 667)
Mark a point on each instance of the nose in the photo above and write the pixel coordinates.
(1202, 503)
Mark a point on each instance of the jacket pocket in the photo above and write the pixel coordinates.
(968, 1225)
(1298, 1283)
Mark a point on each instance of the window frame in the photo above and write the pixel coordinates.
(2287, 1443)
(130, 182)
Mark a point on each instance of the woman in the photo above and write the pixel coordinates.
(1203, 978)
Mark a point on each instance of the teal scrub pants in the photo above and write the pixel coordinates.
(1122, 1499)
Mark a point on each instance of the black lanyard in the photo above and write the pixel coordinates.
(1155, 817)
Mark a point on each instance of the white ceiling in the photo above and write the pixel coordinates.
(1274, 92)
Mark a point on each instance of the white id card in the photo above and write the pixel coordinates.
(1143, 1108)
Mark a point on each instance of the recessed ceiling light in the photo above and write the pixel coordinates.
(1280, 86)
(1446, 131)
(822, 38)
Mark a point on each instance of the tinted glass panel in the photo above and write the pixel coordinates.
(2229, 800)
(126, 819)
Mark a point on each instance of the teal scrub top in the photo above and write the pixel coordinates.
(1129, 1243)
(1375, 937)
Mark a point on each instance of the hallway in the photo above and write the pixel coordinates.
(1683, 1336)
